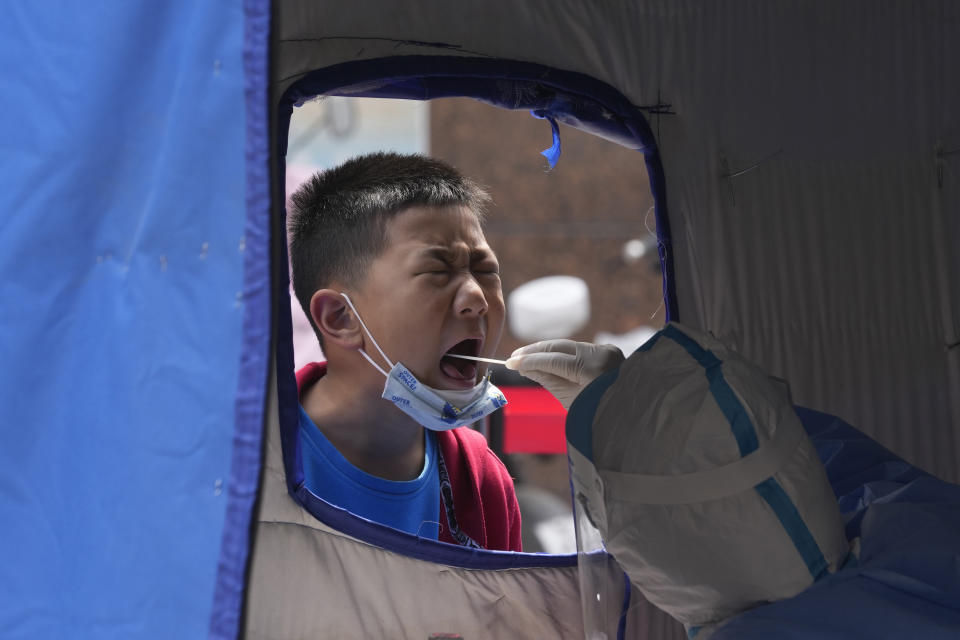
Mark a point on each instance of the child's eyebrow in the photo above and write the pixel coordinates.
(445, 254)
(437, 253)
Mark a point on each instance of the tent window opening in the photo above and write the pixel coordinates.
(586, 227)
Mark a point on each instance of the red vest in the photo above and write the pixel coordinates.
(483, 498)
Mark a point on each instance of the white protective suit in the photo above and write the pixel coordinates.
(693, 466)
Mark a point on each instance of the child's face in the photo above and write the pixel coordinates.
(435, 287)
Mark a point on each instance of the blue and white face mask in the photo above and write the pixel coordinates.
(435, 409)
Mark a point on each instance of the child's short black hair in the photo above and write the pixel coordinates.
(337, 222)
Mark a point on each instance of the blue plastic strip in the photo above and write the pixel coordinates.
(622, 625)
(579, 425)
(424, 548)
(771, 491)
(553, 153)
(734, 412)
(692, 632)
(252, 382)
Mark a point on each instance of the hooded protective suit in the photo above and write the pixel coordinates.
(694, 468)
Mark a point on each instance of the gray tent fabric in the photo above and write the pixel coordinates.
(811, 172)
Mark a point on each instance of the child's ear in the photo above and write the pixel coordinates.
(338, 325)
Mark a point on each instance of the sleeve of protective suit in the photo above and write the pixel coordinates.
(484, 500)
(564, 367)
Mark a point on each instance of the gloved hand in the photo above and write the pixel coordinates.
(564, 367)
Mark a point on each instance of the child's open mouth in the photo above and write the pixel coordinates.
(457, 368)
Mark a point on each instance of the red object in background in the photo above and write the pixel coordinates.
(533, 421)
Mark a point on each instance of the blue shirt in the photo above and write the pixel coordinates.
(411, 505)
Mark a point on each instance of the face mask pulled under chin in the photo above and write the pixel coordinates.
(435, 409)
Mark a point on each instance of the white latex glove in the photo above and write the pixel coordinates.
(564, 367)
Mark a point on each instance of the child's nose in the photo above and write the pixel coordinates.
(470, 298)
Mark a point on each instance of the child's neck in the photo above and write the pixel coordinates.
(370, 433)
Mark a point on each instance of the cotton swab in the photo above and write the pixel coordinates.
(477, 358)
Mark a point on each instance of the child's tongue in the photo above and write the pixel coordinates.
(458, 369)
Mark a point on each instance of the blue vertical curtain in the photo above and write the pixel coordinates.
(124, 311)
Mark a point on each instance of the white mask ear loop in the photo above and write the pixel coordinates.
(372, 339)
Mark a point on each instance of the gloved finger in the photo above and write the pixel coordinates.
(552, 383)
(601, 358)
(564, 365)
(548, 346)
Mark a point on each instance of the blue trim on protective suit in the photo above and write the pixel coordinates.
(733, 411)
(255, 345)
(774, 495)
(579, 425)
(746, 436)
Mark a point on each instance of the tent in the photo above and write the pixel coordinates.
(804, 162)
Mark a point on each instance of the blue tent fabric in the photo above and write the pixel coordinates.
(122, 247)
(906, 583)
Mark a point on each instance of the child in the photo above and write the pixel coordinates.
(391, 266)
